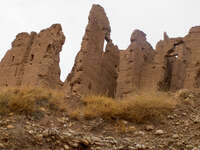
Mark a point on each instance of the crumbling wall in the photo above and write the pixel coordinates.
(173, 65)
(13, 62)
(176, 64)
(42, 68)
(192, 43)
(94, 70)
(110, 65)
(166, 64)
(169, 68)
(132, 61)
(33, 59)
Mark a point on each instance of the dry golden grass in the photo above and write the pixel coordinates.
(139, 107)
(29, 100)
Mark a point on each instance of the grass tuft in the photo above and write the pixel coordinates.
(140, 107)
(29, 100)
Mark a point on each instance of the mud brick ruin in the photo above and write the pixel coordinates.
(33, 60)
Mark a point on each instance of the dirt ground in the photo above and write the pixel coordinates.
(180, 130)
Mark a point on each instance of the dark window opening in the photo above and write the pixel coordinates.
(32, 57)
(131, 50)
(49, 48)
(13, 58)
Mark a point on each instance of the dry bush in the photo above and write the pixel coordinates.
(148, 106)
(29, 100)
(138, 107)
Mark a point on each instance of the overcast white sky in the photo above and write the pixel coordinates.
(153, 17)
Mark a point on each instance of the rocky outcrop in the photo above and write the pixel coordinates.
(13, 62)
(173, 65)
(132, 62)
(95, 70)
(167, 65)
(192, 44)
(33, 59)
(176, 63)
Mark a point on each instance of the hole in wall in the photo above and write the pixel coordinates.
(13, 58)
(197, 63)
(32, 57)
(104, 45)
(49, 48)
(197, 79)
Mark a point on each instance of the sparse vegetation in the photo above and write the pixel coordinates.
(30, 100)
(138, 107)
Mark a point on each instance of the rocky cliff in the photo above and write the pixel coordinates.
(176, 63)
(132, 63)
(94, 70)
(34, 61)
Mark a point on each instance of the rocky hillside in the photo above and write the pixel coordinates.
(52, 129)
(106, 101)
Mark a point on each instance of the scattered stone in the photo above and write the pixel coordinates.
(85, 142)
(140, 147)
(73, 144)
(184, 114)
(149, 127)
(175, 136)
(139, 133)
(196, 148)
(170, 117)
(1, 145)
(10, 127)
(125, 122)
(11, 114)
(159, 132)
(66, 147)
(197, 120)
(132, 129)
(121, 148)
(131, 147)
(189, 146)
